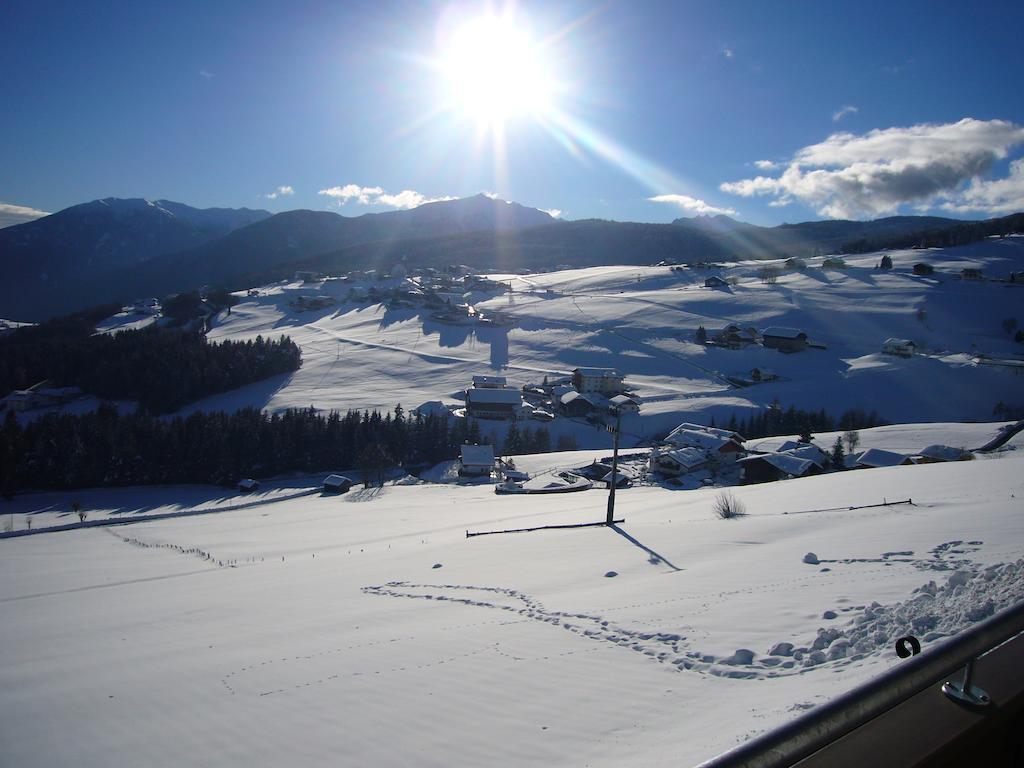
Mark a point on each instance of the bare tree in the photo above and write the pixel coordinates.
(852, 439)
(768, 275)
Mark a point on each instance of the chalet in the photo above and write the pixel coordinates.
(672, 461)
(933, 454)
(624, 404)
(970, 273)
(733, 336)
(433, 408)
(336, 484)
(718, 443)
(490, 403)
(248, 485)
(923, 269)
(605, 381)
(808, 451)
(575, 403)
(900, 347)
(769, 467)
(874, 458)
(489, 382)
(784, 339)
(715, 282)
(476, 460)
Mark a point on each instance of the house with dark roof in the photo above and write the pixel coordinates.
(715, 282)
(784, 339)
(489, 403)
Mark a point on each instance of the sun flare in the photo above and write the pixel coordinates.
(494, 71)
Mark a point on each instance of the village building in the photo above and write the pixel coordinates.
(900, 347)
(784, 339)
(476, 460)
(604, 381)
(715, 282)
(768, 467)
(490, 403)
(874, 458)
(624, 404)
(336, 484)
(734, 336)
(923, 269)
(575, 403)
(721, 444)
(489, 382)
(248, 485)
(673, 462)
(933, 454)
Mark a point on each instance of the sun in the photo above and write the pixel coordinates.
(493, 71)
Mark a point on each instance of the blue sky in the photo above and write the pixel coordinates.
(770, 111)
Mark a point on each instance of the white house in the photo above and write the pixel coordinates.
(476, 460)
(677, 461)
(624, 404)
(901, 347)
(604, 381)
(721, 443)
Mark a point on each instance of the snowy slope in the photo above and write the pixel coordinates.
(367, 629)
(642, 320)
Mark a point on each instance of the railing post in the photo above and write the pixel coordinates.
(965, 693)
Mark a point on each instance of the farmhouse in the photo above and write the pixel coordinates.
(768, 467)
(733, 336)
(336, 484)
(715, 282)
(577, 403)
(936, 453)
(476, 460)
(673, 462)
(874, 458)
(784, 339)
(624, 404)
(605, 381)
(722, 444)
(490, 403)
(900, 347)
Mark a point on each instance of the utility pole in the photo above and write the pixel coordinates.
(610, 518)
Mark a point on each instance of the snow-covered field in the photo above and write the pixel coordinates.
(642, 320)
(366, 629)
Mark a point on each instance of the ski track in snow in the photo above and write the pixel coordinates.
(970, 594)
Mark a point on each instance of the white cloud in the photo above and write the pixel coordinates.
(205, 75)
(18, 214)
(554, 213)
(728, 52)
(874, 174)
(280, 192)
(842, 112)
(405, 199)
(692, 205)
(767, 165)
(993, 197)
(348, 192)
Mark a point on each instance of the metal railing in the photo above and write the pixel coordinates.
(796, 740)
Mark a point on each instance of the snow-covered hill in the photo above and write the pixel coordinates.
(367, 629)
(642, 320)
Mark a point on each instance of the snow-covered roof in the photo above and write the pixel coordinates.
(803, 451)
(621, 400)
(477, 455)
(433, 408)
(698, 439)
(491, 381)
(783, 333)
(710, 430)
(943, 453)
(562, 389)
(689, 458)
(481, 395)
(876, 457)
(898, 343)
(601, 372)
(336, 480)
(784, 462)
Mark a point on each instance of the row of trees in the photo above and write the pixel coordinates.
(774, 420)
(107, 447)
(162, 370)
(958, 234)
